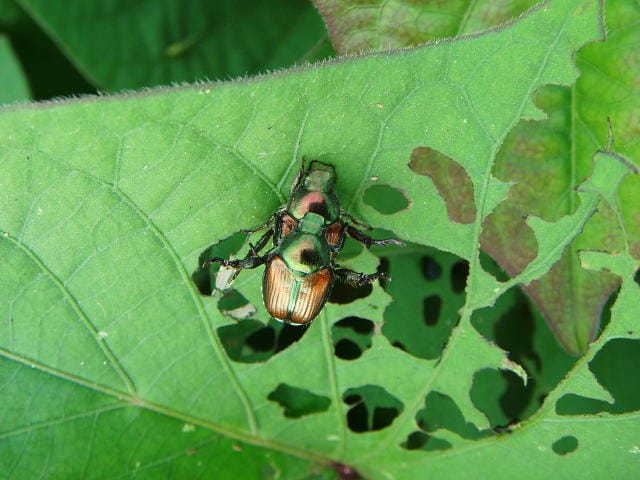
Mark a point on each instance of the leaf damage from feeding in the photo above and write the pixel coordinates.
(117, 224)
(451, 180)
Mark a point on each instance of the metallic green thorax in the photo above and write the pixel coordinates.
(305, 250)
(314, 192)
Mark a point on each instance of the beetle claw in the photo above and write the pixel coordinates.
(221, 261)
(358, 279)
(382, 243)
(209, 261)
(388, 241)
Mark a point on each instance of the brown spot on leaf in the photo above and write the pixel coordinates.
(450, 179)
(561, 296)
(511, 243)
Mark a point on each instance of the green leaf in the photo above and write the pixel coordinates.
(118, 45)
(14, 84)
(48, 73)
(560, 442)
(545, 161)
(379, 25)
(108, 204)
(9, 14)
(59, 426)
(548, 160)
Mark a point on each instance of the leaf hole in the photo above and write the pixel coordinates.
(431, 269)
(343, 293)
(423, 441)
(288, 335)
(605, 313)
(385, 199)
(262, 340)
(350, 249)
(384, 268)
(502, 396)
(614, 366)
(425, 310)
(565, 445)
(357, 324)
(636, 277)
(507, 239)
(372, 408)
(441, 411)
(431, 308)
(347, 349)
(298, 402)
(250, 341)
(490, 266)
(235, 305)
(515, 326)
(351, 337)
(512, 324)
(204, 277)
(450, 179)
(459, 273)
(352, 399)
(234, 339)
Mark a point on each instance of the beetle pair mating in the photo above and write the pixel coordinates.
(308, 232)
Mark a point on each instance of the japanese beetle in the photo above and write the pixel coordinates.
(308, 232)
(313, 191)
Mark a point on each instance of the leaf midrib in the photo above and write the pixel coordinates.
(186, 280)
(129, 400)
(75, 305)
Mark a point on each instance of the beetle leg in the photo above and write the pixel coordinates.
(368, 241)
(354, 220)
(264, 225)
(299, 176)
(250, 261)
(253, 250)
(358, 279)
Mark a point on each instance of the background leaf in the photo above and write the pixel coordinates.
(549, 159)
(379, 25)
(14, 85)
(48, 73)
(117, 45)
(111, 204)
(545, 160)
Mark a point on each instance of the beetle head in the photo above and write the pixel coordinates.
(313, 191)
(320, 177)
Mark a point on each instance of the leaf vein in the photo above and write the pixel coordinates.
(213, 339)
(73, 302)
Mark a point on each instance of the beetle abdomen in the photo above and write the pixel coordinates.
(294, 298)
